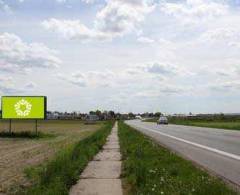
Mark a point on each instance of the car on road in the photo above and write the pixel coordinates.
(162, 120)
(138, 117)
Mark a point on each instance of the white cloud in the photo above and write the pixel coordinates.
(127, 77)
(116, 18)
(88, 1)
(162, 69)
(119, 17)
(85, 1)
(30, 85)
(61, 1)
(18, 56)
(184, 38)
(166, 70)
(4, 7)
(229, 35)
(73, 29)
(195, 11)
(226, 86)
(4, 89)
(161, 90)
(8, 86)
(89, 79)
(145, 40)
(228, 72)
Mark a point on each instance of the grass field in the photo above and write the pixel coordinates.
(151, 169)
(63, 171)
(17, 154)
(221, 124)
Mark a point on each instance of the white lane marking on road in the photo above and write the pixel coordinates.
(234, 156)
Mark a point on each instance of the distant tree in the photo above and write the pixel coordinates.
(74, 113)
(221, 116)
(98, 113)
(150, 114)
(118, 115)
(111, 114)
(92, 112)
(157, 114)
(131, 115)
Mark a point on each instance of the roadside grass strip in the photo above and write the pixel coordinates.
(231, 125)
(151, 169)
(219, 124)
(25, 134)
(59, 174)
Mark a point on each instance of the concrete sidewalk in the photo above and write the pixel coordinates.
(102, 175)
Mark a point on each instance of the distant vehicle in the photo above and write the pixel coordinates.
(162, 120)
(138, 117)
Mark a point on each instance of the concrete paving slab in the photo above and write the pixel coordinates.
(108, 155)
(101, 176)
(97, 187)
(113, 135)
(112, 140)
(112, 143)
(102, 170)
(112, 149)
(115, 146)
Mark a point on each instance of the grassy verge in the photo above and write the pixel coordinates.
(61, 173)
(25, 134)
(234, 125)
(151, 169)
(220, 124)
(153, 120)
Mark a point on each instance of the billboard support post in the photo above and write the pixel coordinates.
(36, 127)
(10, 125)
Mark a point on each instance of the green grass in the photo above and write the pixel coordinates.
(212, 123)
(25, 134)
(154, 120)
(58, 175)
(151, 169)
(234, 125)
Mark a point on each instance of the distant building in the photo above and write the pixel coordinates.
(52, 115)
(65, 115)
(92, 118)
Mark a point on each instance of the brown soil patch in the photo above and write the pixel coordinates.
(18, 154)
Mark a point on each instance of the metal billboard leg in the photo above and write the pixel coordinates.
(36, 127)
(10, 126)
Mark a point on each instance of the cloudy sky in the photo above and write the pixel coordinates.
(173, 56)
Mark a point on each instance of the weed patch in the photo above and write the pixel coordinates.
(58, 175)
(211, 123)
(25, 134)
(151, 169)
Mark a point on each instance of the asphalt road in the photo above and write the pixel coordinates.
(216, 150)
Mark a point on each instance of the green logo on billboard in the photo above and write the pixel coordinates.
(23, 108)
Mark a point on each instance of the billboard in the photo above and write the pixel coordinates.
(24, 107)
